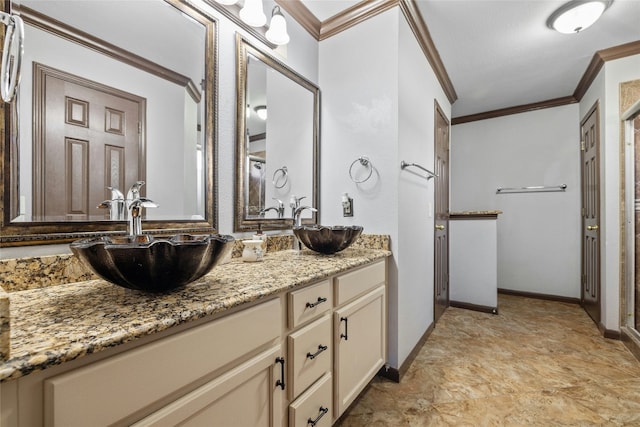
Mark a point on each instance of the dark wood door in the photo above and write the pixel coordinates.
(590, 149)
(441, 210)
(91, 140)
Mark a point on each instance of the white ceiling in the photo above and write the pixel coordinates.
(500, 53)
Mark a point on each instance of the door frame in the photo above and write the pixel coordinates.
(595, 109)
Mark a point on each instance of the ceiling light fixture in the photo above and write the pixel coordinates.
(252, 13)
(261, 111)
(277, 32)
(577, 15)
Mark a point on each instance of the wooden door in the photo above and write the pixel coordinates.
(590, 149)
(90, 138)
(441, 209)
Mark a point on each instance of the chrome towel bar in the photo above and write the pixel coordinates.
(533, 189)
(404, 165)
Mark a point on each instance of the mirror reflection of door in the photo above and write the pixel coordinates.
(95, 133)
(257, 183)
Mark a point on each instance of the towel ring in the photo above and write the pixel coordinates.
(364, 161)
(284, 177)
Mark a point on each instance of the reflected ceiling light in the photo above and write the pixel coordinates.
(252, 13)
(577, 15)
(227, 2)
(261, 111)
(277, 32)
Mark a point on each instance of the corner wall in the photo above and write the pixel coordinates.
(378, 101)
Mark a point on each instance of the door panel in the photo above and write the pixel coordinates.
(441, 209)
(590, 145)
(94, 131)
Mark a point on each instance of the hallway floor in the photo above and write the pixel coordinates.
(537, 363)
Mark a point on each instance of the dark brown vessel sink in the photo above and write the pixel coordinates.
(327, 240)
(150, 264)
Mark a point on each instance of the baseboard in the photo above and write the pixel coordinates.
(395, 374)
(631, 342)
(609, 333)
(474, 307)
(539, 296)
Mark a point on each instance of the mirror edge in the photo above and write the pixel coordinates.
(241, 222)
(44, 233)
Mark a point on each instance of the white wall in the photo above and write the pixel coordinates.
(382, 106)
(418, 88)
(539, 233)
(359, 118)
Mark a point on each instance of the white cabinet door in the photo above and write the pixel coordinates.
(359, 343)
(248, 395)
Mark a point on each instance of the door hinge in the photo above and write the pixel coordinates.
(139, 127)
(582, 145)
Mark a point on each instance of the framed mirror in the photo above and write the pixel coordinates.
(277, 142)
(112, 93)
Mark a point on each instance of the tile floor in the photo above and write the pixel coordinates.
(537, 363)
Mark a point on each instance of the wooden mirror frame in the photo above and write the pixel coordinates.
(36, 233)
(241, 222)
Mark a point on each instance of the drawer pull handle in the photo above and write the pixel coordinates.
(323, 411)
(280, 382)
(321, 348)
(318, 302)
(346, 329)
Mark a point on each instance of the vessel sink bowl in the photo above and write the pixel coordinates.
(151, 264)
(327, 240)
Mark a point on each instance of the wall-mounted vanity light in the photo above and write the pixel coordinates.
(277, 32)
(252, 14)
(577, 15)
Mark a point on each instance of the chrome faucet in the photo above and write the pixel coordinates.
(297, 214)
(278, 209)
(133, 193)
(116, 204)
(294, 203)
(135, 214)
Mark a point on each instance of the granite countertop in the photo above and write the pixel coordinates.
(55, 324)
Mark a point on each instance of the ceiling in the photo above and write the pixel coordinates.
(500, 53)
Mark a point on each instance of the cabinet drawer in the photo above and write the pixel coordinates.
(313, 405)
(309, 303)
(116, 387)
(350, 285)
(309, 351)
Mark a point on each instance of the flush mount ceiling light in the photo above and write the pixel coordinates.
(261, 111)
(227, 2)
(252, 13)
(277, 32)
(577, 15)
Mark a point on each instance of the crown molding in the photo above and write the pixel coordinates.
(354, 15)
(420, 30)
(597, 62)
(302, 15)
(550, 103)
(368, 9)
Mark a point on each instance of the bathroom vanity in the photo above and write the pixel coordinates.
(284, 342)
